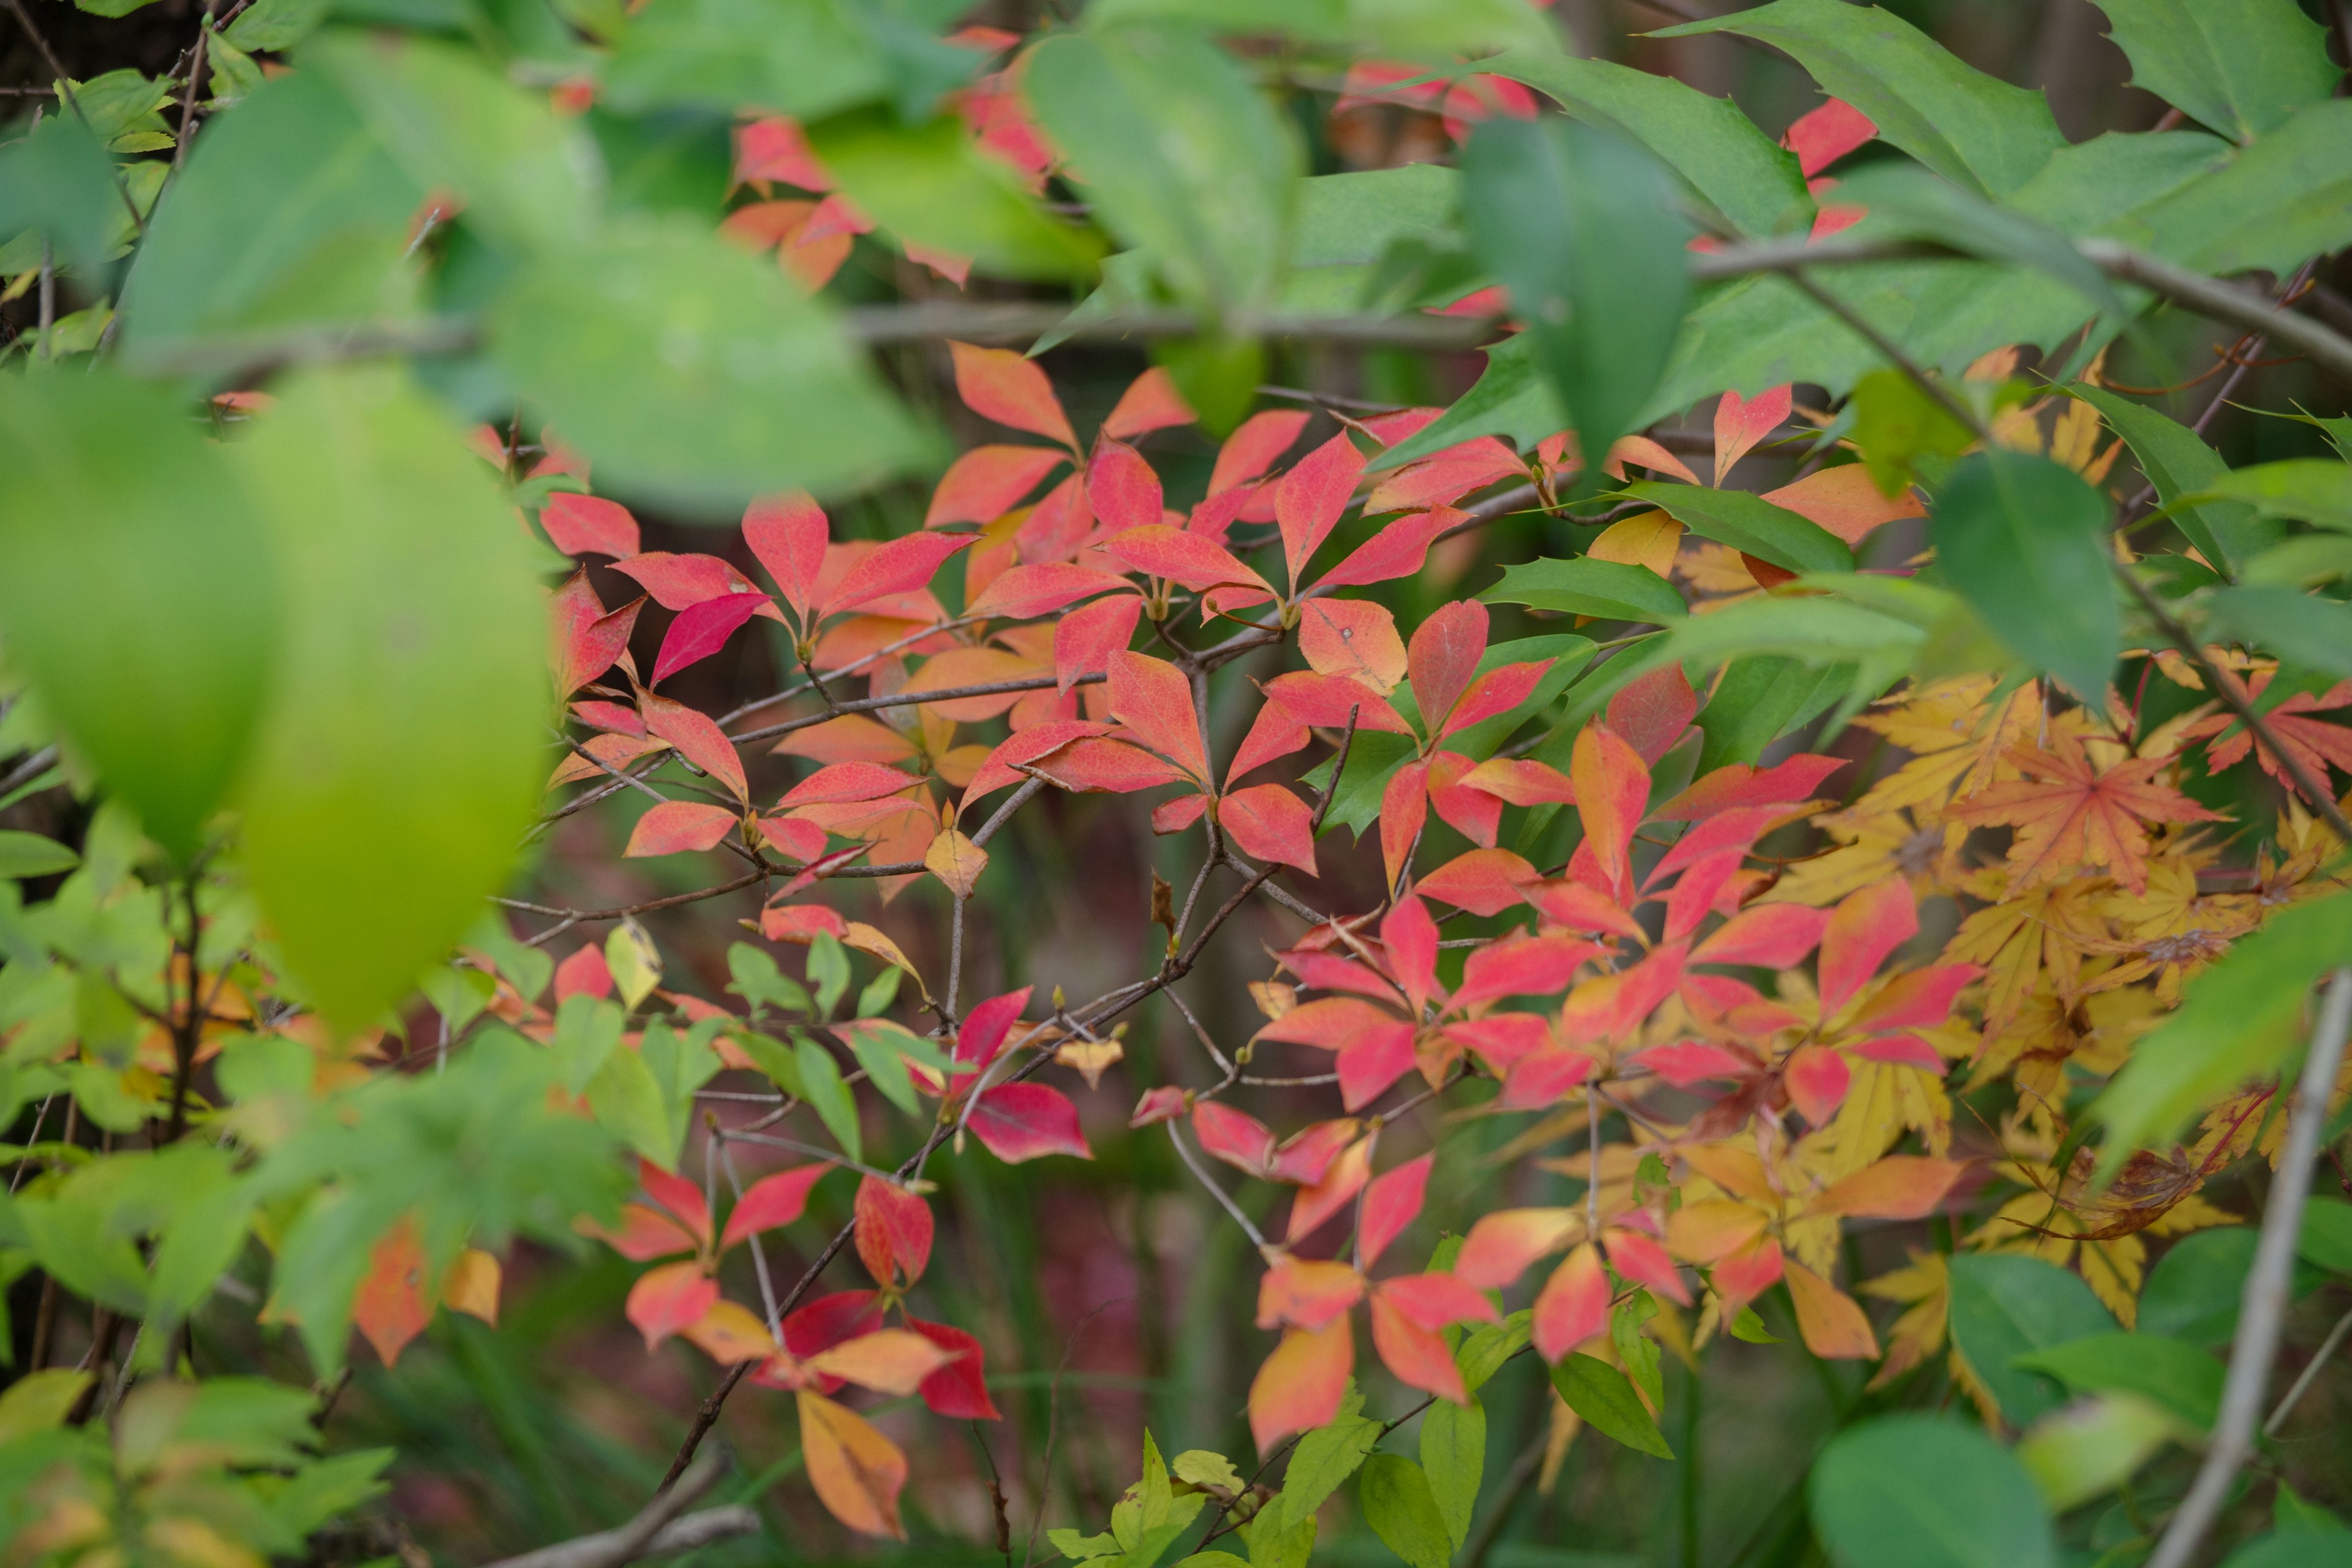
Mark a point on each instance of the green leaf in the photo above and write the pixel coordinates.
(401, 758)
(1758, 701)
(2237, 1020)
(822, 1087)
(2005, 1306)
(1750, 524)
(2301, 627)
(1906, 201)
(39, 1401)
(2292, 1513)
(1397, 1504)
(1581, 586)
(758, 981)
(2271, 206)
(268, 24)
(1324, 1458)
(2294, 1549)
(1385, 27)
(1749, 1329)
(627, 1100)
(1815, 631)
(1973, 129)
(58, 181)
(2178, 462)
(121, 102)
(1352, 219)
(692, 373)
(1581, 225)
(931, 185)
(1372, 758)
(2093, 1446)
(883, 1049)
(1599, 1392)
(30, 855)
(1896, 425)
(2326, 1236)
(802, 57)
(111, 486)
(2194, 1292)
(1453, 1460)
(1182, 157)
(2239, 66)
(587, 1032)
(1486, 1348)
(2182, 1379)
(1923, 1492)
(1743, 174)
(2312, 489)
(828, 971)
(290, 220)
(2024, 541)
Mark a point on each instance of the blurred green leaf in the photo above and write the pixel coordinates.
(1351, 219)
(1581, 225)
(1749, 524)
(1600, 1392)
(2300, 627)
(1896, 425)
(2178, 462)
(30, 855)
(2271, 206)
(2294, 1549)
(2312, 489)
(402, 756)
(2240, 69)
(125, 535)
(2024, 541)
(2005, 1306)
(1399, 1507)
(2093, 1446)
(1453, 1462)
(1759, 700)
(1906, 201)
(2194, 1292)
(271, 25)
(931, 185)
(693, 374)
(802, 57)
(1399, 27)
(2326, 1236)
(1924, 1491)
(2178, 1377)
(56, 181)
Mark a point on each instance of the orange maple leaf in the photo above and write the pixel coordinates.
(2069, 812)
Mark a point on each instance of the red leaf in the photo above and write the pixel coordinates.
(1502, 1243)
(1645, 1263)
(801, 923)
(1354, 639)
(613, 717)
(1300, 1385)
(1306, 1293)
(587, 525)
(1821, 136)
(1732, 832)
(678, 1196)
(698, 740)
(1326, 701)
(1903, 1050)
(982, 1034)
(1501, 1039)
(1311, 498)
(1443, 658)
(1419, 1357)
(1109, 766)
(1652, 712)
(1058, 525)
(1270, 824)
(584, 973)
(1473, 813)
(1522, 966)
(391, 1305)
(959, 1390)
(1237, 1138)
(1693, 1061)
(1018, 1122)
(1392, 1202)
(1010, 388)
(1337, 1188)
(1613, 785)
(898, 566)
(893, 1231)
(1816, 1079)
(1253, 448)
(846, 783)
(646, 1233)
(1189, 560)
(1484, 881)
(1304, 1157)
(1331, 1022)
(1023, 593)
(590, 643)
(1026, 746)
(1369, 1066)
(1085, 638)
(1921, 999)
(701, 630)
(1404, 807)
(1543, 1079)
(1273, 733)
(777, 149)
(1445, 478)
(1411, 938)
(1121, 487)
(1740, 423)
(666, 1299)
(1176, 816)
(674, 826)
(1154, 701)
(793, 836)
(1746, 1273)
(1517, 782)
(1739, 784)
(1862, 930)
(1498, 690)
(1772, 936)
(1165, 1104)
(1150, 403)
(1573, 1306)
(821, 1324)
(771, 1202)
(788, 534)
(986, 482)
(1397, 551)
(679, 582)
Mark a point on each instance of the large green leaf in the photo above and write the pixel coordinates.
(2240, 67)
(930, 184)
(1969, 127)
(1454, 1459)
(1750, 524)
(58, 184)
(2237, 1020)
(2024, 541)
(2178, 462)
(289, 219)
(2303, 628)
(693, 373)
(2272, 205)
(1743, 174)
(1905, 200)
(402, 754)
(2185, 1381)
(2326, 1236)
(139, 592)
(1923, 1492)
(2315, 489)
(1324, 1458)
(1583, 586)
(1579, 225)
(1181, 156)
(1352, 219)
(805, 57)
(2194, 1292)
(2006, 1305)
(2295, 1548)
(1601, 1394)
(1759, 700)
(1398, 1506)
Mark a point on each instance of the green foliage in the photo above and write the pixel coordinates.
(2238, 68)
(1920, 1491)
(1397, 1504)
(2180, 1378)
(2005, 1307)
(56, 183)
(2178, 462)
(1452, 1463)
(2023, 539)
(1600, 1392)
(2194, 1292)
(1751, 524)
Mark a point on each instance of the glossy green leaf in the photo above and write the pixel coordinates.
(931, 185)
(2024, 541)
(1453, 1461)
(1599, 1392)
(2180, 1378)
(1581, 586)
(2312, 489)
(693, 374)
(2326, 1236)
(2178, 462)
(1581, 225)
(56, 181)
(402, 756)
(1906, 201)
(2004, 1305)
(1741, 173)
(1749, 524)
(1759, 700)
(1397, 1504)
(1972, 129)
(2237, 1020)
(2194, 1292)
(124, 534)
(290, 222)
(1924, 1491)
(2271, 206)
(2301, 628)
(2239, 67)
(1181, 156)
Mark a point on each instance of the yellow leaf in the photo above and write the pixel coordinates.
(728, 1334)
(1830, 1320)
(636, 966)
(1649, 539)
(889, 1360)
(472, 1284)
(1090, 1057)
(957, 861)
(857, 1471)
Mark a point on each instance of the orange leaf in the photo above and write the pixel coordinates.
(1484, 881)
(666, 1299)
(1189, 560)
(889, 1360)
(1866, 926)
(1647, 539)
(698, 740)
(1354, 639)
(1010, 388)
(1501, 1245)
(1154, 701)
(1269, 823)
(1845, 501)
(956, 861)
(1830, 1320)
(1306, 1293)
(857, 1471)
(1746, 1273)
(1392, 1202)
(1121, 487)
(2068, 813)
(1418, 1356)
(472, 1285)
(771, 1201)
(391, 1307)
(893, 1231)
(1816, 1078)
(1740, 423)
(1613, 786)
(1901, 1187)
(1340, 1183)
(1253, 448)
(986, 482)
(1299, 1386)
(1574, 1304)
(1712, 1228)
(1150, 403)
(675, 826)
(728, 1333)
(1312, 496)
(846, 784)
(1021, 593)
